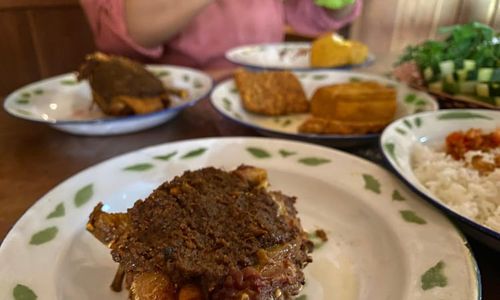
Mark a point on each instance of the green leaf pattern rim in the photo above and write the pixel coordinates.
(433, 277)
(22, 292)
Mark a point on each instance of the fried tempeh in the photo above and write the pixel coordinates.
(271, 93)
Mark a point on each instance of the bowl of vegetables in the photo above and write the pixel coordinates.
(462, 70)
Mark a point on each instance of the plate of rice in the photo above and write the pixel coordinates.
(452, 159)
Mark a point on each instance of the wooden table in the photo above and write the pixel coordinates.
(35, 158)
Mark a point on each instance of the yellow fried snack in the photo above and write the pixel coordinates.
(271, 93)
(351, 108)
(333, 51)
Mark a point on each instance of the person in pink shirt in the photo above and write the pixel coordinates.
(196, 33)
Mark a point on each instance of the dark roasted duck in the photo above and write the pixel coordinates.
(208, 234)
(121, 86)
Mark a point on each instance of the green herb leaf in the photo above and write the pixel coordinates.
(301, 297)
(38, 91)
(22, 292)
(313, 161)
(194, 153)
(59, 211)
(462, 115)
(234, 90)
(396, 196)
(355, 79)
(286, 153)
(44, 236)
(237, 116)
(139, 167)
(83, 195)
(371, 183)
(434, 277)
(411, 217)
(166, 156)
(186, 77)
(258, 152)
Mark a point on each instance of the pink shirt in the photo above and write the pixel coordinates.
(222, 25)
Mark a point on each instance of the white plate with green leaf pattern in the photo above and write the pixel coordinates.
(384, 243)
(401, 138)
(226, 100)
(66, 104)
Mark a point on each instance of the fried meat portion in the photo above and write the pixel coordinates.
(121, 86)
(208, 234)
(351, 108)
(271, 93)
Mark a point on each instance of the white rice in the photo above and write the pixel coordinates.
(459, 186)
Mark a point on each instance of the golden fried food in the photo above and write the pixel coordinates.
(351, 108)
(333, 51)
(271, 93)
(329, 126)
(355, 101)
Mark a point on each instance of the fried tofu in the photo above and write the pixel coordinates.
(351, 108)
(271, 93)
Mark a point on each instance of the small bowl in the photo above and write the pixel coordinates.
(431, 128)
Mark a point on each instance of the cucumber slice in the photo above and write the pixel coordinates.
(450, 87)
(447, 67)
(484, 74)
(495, 89)
(467, 87)
(469, 64)
(483, 90)
(461, 75)
(436, 87)
(428, 74)
(495, 77)
(449, 78)
(471, 75)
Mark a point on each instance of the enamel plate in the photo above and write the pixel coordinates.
(226, 100)
(66, 104)
(384, 242)
(280, 56)
(400, 138)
